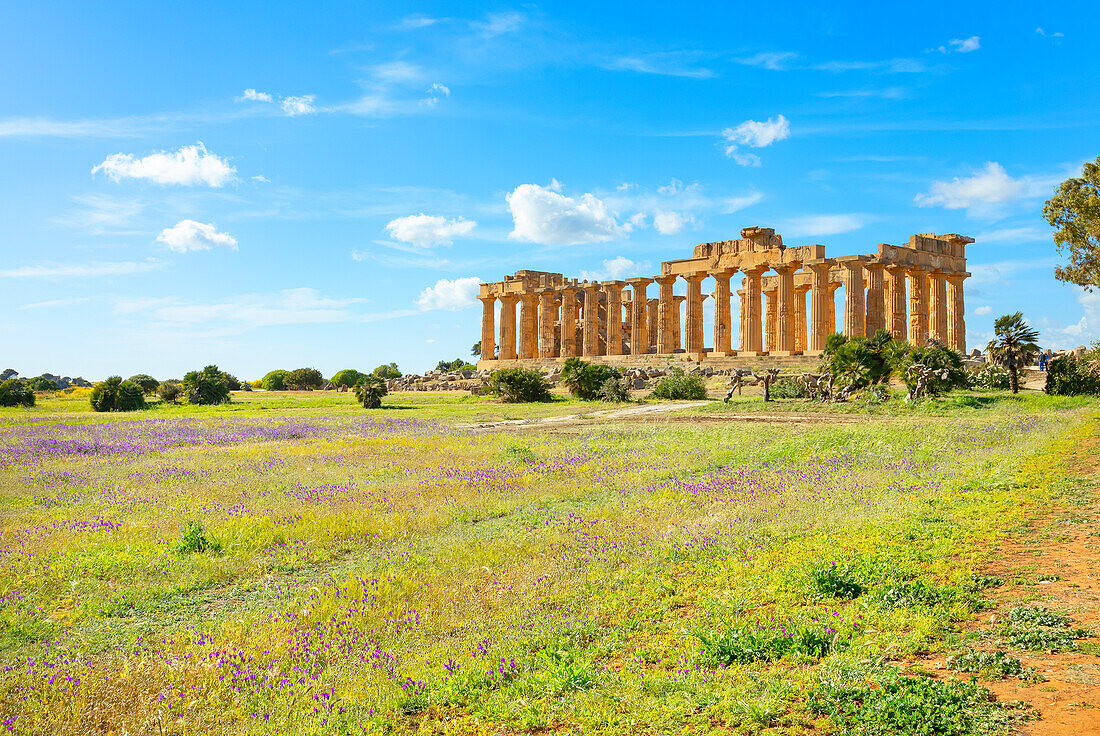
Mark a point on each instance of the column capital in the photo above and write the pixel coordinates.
(801, 288)
(665, 280)
(696, 276)
(957, 278)
(917, 270)
(874, 265)
(506, 298)
(788, 267)
(724, 273)
(613, 285)
(754, 271)
(639, 281)
(590, 286)
(490, 298)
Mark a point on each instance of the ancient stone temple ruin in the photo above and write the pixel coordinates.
(913, 290)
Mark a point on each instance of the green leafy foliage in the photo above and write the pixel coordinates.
(114, 394)
(1068, 375)
(679, 385)
(194, 540)
(990, 377)
(387, 370)
(878, 702)
(614, 389)
(1041, 630)
(41, 383)
(369, 391)
(148, 383)
(519, 385)
(1075, 211)
(992, 665)
(275, 381)
(748, 644)
(934, 356)
(304, 379)
(861, 361)
(347, 377)
(458, 364)
(1013, 346)
(789, 388)
(846, 579)
(584, 380)
(208, 386)
(13, 392)
(170, 390)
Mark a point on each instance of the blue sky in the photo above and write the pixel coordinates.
(265, 186)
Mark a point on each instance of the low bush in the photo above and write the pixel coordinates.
(992, 665)
(347, 378)
(206, 387)
(1070, 376)
(14, 393)
(304, 379)
(148, 383)
(679, 385)
(614, 389)
(847, 579)
(114, 394)
(458, 364)
(758, 644)
(789, 388)
(584, 380)
(41, 383)
(1040, 630)
(369, 391)
(194, 540)
(170, 390)
(519, 385)
(934, 356)
(990, 377)
(274, 380)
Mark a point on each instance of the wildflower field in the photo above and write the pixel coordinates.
(295, 564)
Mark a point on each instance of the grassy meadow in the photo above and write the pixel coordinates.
(295, 564)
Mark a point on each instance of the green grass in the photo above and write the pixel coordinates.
(313, 567)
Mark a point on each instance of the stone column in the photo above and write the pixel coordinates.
(528, 326)
(956, 324)
(800, 318)
(677, 337)
(820, 299)
(508, 326)
(651, 322)
(769, 318)
(548, 316)
(918, 306)
(569, 322)
(831, 317)
(723, 344)
(591, 344)
(853, 299)
(784, 308)
(895, 307)
(488, 328)
(876, 299)
(639, 332)
(752, 338)
(693, 327)
(614, 292)
(665, 305)
(937, 306)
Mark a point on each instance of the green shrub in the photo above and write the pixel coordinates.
(232, 382)
(458, 364)
(747, 644)
(614, 389)
(519, 385)
(990, 377)
(304, 379)
(14, 393)
(936, 357)
(275, 381)
(882, 701)
(148, 383)
(170, 390)
(206, 387)
(1069, 376)
(194, 540)
(789, 388)
(1040, 630)
(679, 385)
(387, 370)
(846, 579)
(347, 377)
(584, 380)
(41, 383)
(114, 394)
(992, 665)
(369, 391)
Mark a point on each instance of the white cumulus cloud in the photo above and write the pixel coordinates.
(191, 235)
(755, 134)
(251, 95)
(544, 215)
(424, 231)
(298, 105)
(983, 310)
(617, 269)
(189, 165)
(669, 223)
(960, 45)
(450, 294)
(990, 186)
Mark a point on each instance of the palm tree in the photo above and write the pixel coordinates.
(1014, 345)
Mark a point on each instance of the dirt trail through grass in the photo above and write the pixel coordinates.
(1056, 565)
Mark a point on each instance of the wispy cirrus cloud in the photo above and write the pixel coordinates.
(774, 60)
(55, 270)
(669, 64)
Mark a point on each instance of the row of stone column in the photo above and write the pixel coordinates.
(587, 319)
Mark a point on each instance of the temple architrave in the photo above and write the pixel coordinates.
(786, 298)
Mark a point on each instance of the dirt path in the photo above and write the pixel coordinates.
(1055, 565)
(630, 412)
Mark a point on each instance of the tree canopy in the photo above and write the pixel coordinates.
(1075, 211)
(1014, 345)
